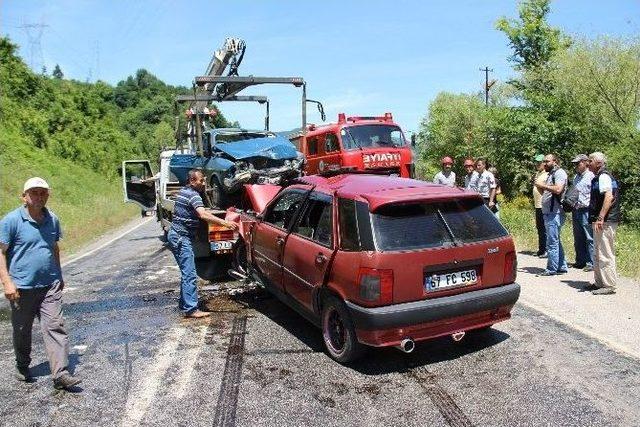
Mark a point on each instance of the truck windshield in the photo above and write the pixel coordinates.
(367, 136)
(241, 136)
(428, 225)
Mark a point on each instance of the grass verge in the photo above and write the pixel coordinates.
(88, 204)
(520, 221)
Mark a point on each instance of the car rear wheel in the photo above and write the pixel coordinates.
(338, 332)
(218, 197)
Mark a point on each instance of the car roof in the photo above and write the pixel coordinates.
(380, 190)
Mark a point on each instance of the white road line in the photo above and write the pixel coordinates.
(79, 257)
(188, 361)
(606, 341)
(151, 376)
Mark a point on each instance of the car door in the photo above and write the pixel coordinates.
(271, 232)
(139, 183)
(309, 249)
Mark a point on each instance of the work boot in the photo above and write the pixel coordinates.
(197, 314)
(23, 374)
(66, 381)
(605, 290)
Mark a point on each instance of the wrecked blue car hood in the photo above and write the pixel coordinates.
(272, 148)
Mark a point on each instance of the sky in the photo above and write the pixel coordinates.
(358, 57)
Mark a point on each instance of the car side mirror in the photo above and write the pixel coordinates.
(413, 140)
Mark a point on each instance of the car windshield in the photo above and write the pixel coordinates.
(241, 136)
(428, 225)
(366, 136)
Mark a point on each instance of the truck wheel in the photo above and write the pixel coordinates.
(338, 332)
(218, 196)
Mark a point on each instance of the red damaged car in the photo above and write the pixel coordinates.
(380, 261)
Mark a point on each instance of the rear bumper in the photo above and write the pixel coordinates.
(425, 319)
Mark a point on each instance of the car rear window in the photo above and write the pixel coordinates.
(430, 225)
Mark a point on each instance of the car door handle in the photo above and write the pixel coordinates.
(320, 259)
(279, 241)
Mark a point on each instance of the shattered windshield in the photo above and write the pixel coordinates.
(241, 136)
(371, 136)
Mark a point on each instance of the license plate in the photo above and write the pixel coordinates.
(221, 246)
(435, 282)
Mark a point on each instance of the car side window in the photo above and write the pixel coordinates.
(312, 145)
(331, 143)
(316, 220)
(283, 212)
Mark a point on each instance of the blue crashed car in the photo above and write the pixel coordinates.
(233, 157)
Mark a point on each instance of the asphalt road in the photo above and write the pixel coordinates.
(257, 363)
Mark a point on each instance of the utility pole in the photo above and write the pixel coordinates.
(487, 84)
(34, 36)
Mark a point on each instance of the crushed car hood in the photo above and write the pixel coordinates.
(271, 148)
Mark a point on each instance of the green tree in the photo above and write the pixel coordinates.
(531, 37)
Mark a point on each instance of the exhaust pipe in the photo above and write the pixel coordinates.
(406, 345)
(458, 336)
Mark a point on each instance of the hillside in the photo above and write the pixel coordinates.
(75, 135)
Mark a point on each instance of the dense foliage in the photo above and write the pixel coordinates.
(92, 124)
(568, 98)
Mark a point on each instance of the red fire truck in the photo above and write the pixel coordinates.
(358, 143)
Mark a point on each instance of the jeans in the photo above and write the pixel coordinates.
(553, 224)
(183, 253)
(582, 236)
(542, 234)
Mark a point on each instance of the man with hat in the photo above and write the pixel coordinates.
(540, 178)
(471, 178)
(31, 275)
(446, 176)
(582, 229)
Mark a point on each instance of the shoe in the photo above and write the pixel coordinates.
(588, 268)
(576, 265)
(546, 273)
(23, 374)
(561, 272)
(66, 381)
(590, 287)
(197, 314)
(542, 255)
(605, 290)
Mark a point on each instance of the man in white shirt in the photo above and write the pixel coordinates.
(446, 176)
(485, 184)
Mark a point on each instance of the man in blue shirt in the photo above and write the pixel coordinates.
(187, 213)
(553, 215)
(582, 230)
(32, 279)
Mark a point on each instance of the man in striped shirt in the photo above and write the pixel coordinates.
(187, 213)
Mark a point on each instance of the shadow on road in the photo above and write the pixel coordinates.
(531, 270)
(377, 361)
(43, 369)
(577, 284)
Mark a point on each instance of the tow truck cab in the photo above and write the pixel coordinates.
(358, 143)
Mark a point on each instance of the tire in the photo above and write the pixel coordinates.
(239, 261)
(218, 196)
(338, 333)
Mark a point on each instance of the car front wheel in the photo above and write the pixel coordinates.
(338, 332)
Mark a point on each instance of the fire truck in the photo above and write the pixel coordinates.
(357, 143)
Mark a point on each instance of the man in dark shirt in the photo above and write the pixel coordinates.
(188, 211)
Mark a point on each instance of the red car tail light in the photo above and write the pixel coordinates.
(376, 285)
(510, 267)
